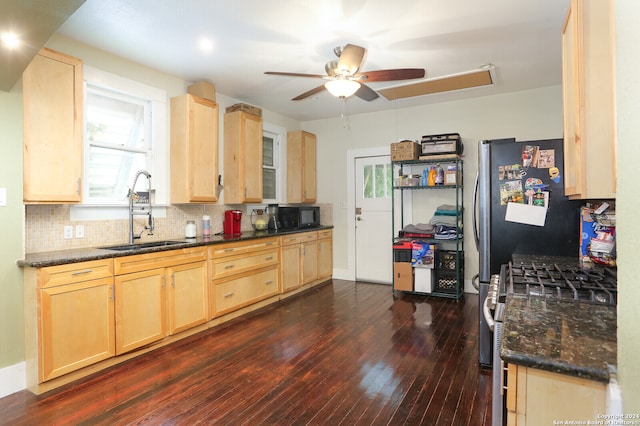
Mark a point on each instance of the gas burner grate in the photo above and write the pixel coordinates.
(566, 283)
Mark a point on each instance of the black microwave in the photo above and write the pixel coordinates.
(299, 217)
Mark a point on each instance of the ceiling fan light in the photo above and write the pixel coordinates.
(342, 88)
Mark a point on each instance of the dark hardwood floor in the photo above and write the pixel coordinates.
(344, 353)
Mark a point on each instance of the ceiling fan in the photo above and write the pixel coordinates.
(343, 78)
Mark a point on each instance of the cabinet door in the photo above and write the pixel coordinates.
(309, 169)
(301, 167)
(325, 258)
(291, 267)
(194, 149)
(253, 159)
(572, 119)
(52, 120)
(309, 262)
(140, 309)
(562, 396)
(187, 296)
(242, 158)
(76, 326)
(588, 95)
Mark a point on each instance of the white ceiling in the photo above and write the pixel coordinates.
(520, 37)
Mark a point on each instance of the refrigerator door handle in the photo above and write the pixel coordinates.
(476, 235)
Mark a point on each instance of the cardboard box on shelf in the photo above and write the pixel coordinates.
(203, 89)
(422, 254)
(405, 150)
(402, 276)
(249, 109)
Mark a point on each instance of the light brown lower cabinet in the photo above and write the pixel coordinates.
(76, 326)
(243, 273)
(140, 309)
(325, 253)
(188, 296)
(95, 314)
(159, 294)
(250, 287)
(538, 397)
(299, 260)
(69, 318)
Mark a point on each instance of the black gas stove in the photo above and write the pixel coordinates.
(597, 285)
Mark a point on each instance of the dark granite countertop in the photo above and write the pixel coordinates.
(573, 338)
(60, 257)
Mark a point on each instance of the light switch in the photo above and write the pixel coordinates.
(3, 197)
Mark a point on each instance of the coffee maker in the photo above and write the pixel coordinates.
(232, 221)
(272, 212)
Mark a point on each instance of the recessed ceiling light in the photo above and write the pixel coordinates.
(10, 40)
(206, 45)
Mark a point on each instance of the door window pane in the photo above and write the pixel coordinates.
(368, 181)
(377, 181)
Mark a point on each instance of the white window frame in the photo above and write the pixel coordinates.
(160, 146)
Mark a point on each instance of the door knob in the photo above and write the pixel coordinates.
(359, 218)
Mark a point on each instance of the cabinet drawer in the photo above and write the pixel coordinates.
(234, 294)
(225, 266)
(75, 272)
(163, 259)
(299, 238)
(231, 249)
(324, 234)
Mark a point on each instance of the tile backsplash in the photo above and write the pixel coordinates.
(44, 225)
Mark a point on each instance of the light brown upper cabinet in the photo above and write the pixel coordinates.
(52, 111)
(301, 167)
(588, 95)
(242, 158)
(194, 150)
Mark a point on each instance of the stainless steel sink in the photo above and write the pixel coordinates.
(125, 247)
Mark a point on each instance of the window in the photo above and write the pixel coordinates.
(377, 181)
(273, 176)
(125, 131)
(269, 179)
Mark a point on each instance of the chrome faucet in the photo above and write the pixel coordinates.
(133, 196)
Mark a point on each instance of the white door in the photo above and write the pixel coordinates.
(373, 219)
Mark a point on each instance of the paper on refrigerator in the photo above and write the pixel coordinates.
(526, 213)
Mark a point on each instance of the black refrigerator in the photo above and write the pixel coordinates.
(512, 177)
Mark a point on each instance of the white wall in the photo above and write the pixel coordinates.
(527, 115)
(627, 200)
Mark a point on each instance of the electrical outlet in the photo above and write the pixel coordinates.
(68, 232)
(79, 231)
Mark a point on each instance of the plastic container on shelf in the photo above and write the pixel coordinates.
(439, 175)
(431, 179)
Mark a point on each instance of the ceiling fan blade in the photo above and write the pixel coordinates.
(391, 75)
(366, 93)
(309, 93)
(350, 59)
(294, 74)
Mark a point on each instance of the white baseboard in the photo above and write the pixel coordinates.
(343, 274)
(12, 379)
